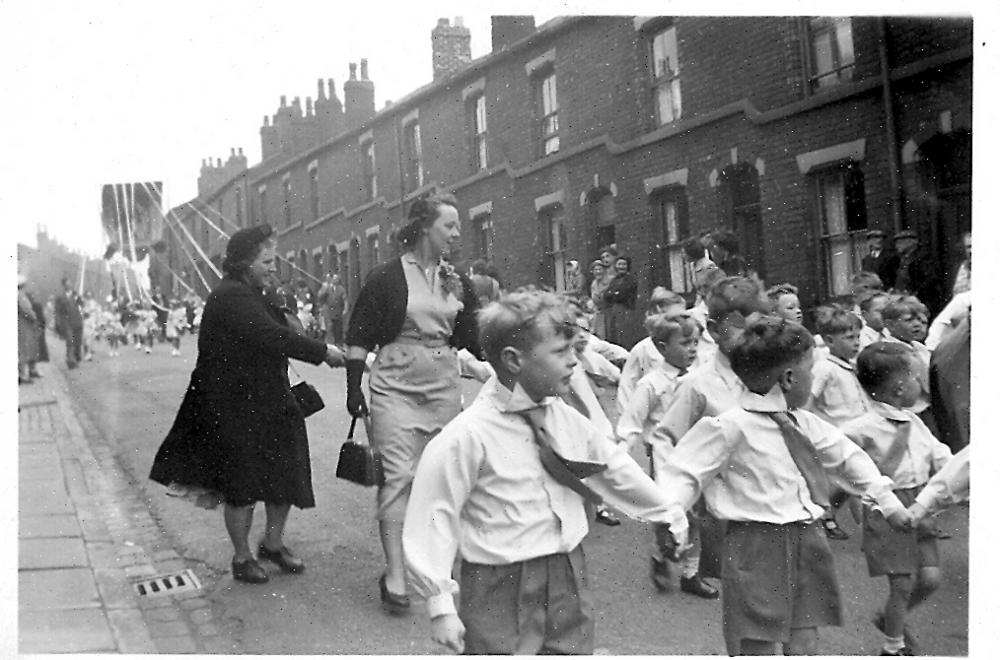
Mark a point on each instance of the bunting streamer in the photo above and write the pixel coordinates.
(194, 264)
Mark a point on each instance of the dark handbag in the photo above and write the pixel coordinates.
(309, 399)
(359, 462)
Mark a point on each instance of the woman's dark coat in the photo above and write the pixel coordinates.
(239, 430)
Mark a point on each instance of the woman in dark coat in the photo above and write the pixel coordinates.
(620, 295)
(239, 434)
(416, 312)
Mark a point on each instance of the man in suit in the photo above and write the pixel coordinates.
(69, 323)
(917, 273)
(882, 261)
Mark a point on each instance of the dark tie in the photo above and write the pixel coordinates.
(566, 472)
(806, 458)
(894, 455)
(572, 398)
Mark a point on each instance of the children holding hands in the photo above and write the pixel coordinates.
(504, 486)
(762, 467)
(906, 451)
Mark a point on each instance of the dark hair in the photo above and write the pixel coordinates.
(733, 294)
(834, 319)
(622, 257)
(479, 267)
(423, 212)
(872, 280)
(879, 362)
(767, 344)
(243, 248)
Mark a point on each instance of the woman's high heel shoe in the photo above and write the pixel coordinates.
(393, 603)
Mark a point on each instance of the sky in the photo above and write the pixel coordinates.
(112, 91)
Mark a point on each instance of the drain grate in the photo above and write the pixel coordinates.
(165, 585)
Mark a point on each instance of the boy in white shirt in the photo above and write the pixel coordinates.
(709, 390)
(675, 337)
(762, 467)
(493, 486)
(644, 356)
(837, 396)
(908, 453)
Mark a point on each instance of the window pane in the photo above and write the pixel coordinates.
(840, 257)
(822, 53)
(834, 211)
(675, 96)
(675, 257)
(664, 103)
(668, 214)
(845, 42)
(552, 145)
(549, 100)
(481, 115)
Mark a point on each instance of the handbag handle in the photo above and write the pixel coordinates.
(354, 423)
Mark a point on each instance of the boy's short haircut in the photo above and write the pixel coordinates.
(733, 294)
(779, 290)
(834, 319)
(866, 301)
(515, 319)
(708, 277)
(877, 363)
(768, 344)
(867, 278)
(663, 296)
(663, 327)
(900, 306)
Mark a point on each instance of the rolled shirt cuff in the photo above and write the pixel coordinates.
(441, 604)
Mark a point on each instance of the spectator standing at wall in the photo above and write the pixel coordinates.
(43, 347)
(620, 295)
(332, 300)
(69, 323)
(916, 274)
(598, 285)
(881, 260)
(28, 330)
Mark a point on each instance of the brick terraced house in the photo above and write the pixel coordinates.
(798, 133)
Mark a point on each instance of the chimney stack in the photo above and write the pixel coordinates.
(320, 92)
(507, 30)
(359, 97)
(450, 47)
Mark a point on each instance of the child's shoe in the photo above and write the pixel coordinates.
(696, 586)
(659, 573)
(903, 651)
(605, 517)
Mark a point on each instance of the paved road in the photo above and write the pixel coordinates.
(333, 607)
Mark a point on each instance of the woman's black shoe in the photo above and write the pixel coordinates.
(284, 558)
(249, 571)
(393, 603)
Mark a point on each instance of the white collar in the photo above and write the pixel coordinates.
(773, 401)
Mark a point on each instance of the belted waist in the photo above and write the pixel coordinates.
(427, 342)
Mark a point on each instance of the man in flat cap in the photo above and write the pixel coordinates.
(880, 260)
(917, 273)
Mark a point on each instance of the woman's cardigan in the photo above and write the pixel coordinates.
(379, 313)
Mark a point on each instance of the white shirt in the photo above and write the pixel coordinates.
(653, 395)
(581, 384)
(837, 396)
(875, 432)
(480, 490)
(741, 463)
(949, 485)
(642, 359)
(944, 323)
(870, 335)
(606, 349)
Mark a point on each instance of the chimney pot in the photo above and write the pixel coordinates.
(284, 100)
(241, 151)
(309, 106)
(364, 68)
(267, 120)
(443, 22)
(333, 90)
(320, 93)
(232, 152)
(459, 21)
(354, 70)
(218, 162)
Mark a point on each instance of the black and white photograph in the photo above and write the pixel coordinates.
(511, 328)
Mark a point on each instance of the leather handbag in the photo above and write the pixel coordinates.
(306, 395)
(359, 462)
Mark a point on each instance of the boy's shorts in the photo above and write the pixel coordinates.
(537, 606)
(898, 552)
(776, 578)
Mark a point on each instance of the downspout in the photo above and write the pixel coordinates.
(892, 140)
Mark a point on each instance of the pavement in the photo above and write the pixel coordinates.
(86, 542)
